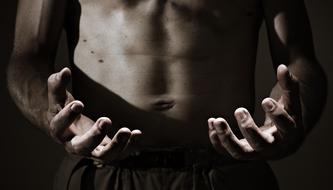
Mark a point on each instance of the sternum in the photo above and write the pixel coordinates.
(157, 7)
(158, 32)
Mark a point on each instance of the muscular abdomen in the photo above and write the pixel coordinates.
(164, 66)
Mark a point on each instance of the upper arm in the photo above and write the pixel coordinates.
(289, 32)
(38, 27)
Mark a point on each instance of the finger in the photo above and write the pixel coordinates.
(211, 124)
(286, 79)
(255, 137)
(214, 139)
(283, 121)
(230, 142)
(61, 121)
(290, 89)
(85, 144)
(57, 93)
(112, 150)
(132, 144)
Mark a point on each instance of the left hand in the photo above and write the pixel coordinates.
(281, 134)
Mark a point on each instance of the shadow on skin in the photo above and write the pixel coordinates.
(100, 101)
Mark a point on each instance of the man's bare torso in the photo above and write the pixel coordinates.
(164, 66)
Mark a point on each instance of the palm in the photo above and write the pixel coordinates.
(80, 134)
(281, 133)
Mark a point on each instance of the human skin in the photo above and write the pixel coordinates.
(160, 69)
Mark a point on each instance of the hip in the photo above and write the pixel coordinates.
(171, 169)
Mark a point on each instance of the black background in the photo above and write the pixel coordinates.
(28, 159)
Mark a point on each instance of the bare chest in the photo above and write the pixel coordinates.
(173, 10)
(163, 26)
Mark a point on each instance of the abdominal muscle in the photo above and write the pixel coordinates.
(166, 84)
(170, 102)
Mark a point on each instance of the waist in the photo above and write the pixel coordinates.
(176, 118)
(176, 157)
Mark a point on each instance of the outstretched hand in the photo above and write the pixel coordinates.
(79, 134)
(281, 134)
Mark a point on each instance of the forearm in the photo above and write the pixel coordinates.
(27, 84)
(313, 90)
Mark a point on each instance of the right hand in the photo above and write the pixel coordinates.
(78, 133)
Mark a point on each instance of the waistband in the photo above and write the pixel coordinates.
(172, 158)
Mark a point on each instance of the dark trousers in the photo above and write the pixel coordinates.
(165, 171)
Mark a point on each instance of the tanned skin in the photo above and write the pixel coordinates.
(159, 69)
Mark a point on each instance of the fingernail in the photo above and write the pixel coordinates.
(220, 126)
(64, 76)
(210, 123)
(77, 108)
(269, 106)
(242, 115)
(103, 120)
(102, 123)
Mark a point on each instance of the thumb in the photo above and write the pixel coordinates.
(286, 79)
(57, 84)
(290, 89)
